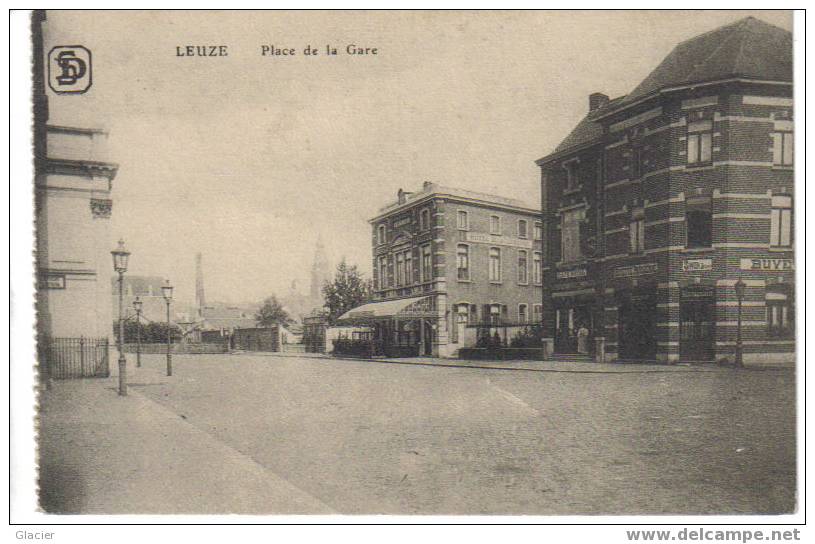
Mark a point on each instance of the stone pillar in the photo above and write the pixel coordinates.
(599, 349)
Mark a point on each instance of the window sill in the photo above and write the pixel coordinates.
(523, 284)
(496, 282)
(566, 264)
(783, 167)
(698, 250)
(781, 249)
(572, 190)
(463, 281)
(699, 165)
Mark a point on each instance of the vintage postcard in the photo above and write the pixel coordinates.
(415, 263)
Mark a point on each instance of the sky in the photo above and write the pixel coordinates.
(249, 159)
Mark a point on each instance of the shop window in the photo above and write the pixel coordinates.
(780, 315)
(636, 232)
(463, 261)
(699, 222)
(463, 221)
(781, 221)
(495, 264)
(522, 229)
(782, 148)
(427, 263)
(523, 313)
(537, 267)
(523, 266)
(495, 225)
(538, 230)
(381, 234)
(700, 143)
(570, 245)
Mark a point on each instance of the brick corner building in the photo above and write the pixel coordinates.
(659, 201)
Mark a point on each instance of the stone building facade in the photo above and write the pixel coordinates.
(460, 258)
(661, 200)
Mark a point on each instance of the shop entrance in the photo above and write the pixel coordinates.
(574, 329)
(697, 310)
(637, 329)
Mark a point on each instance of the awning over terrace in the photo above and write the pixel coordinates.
(403, 308)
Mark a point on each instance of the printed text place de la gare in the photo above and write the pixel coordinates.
(271, 50)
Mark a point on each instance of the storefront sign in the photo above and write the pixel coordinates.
(497, 240)
(636, 270)
(767, 265)
(697, 265)
(52, 281)
(569, 274)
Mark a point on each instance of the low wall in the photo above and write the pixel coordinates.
(501, 354)
(177, 348)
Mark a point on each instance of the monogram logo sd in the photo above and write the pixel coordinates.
(69, 69)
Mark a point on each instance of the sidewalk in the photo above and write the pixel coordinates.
(549, 365)
(106, 454)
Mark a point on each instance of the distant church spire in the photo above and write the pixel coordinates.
(200, 300)
(320, 273)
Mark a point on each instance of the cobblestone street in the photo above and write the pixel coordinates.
(365, 437)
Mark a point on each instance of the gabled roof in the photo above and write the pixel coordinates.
(748, 48)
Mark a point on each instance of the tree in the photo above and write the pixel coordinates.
(272, 313)
(346, 291)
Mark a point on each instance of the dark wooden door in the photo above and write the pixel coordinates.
(697, 327)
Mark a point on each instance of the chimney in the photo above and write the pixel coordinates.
(597, 101)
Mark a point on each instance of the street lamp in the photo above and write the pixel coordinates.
(120, 256)
(137, 306)
(167, 291)
(740, 287)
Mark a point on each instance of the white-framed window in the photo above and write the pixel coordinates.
(781, 221)
(523, 228)
(427, 263)
(383, 272)
(570, 234)
(424, 219)
(700, 142)
(636, 232)
(538, 230)
(537, 313)
(782, 148)
(495, 224)
(380, 234)
(523, 313)
(463, 220)
(463, 261)
(400, 269)
(537, 267)
(495, 264)
(523, 266)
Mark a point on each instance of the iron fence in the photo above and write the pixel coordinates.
(64, 358)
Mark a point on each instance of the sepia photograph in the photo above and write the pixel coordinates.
(414, 263)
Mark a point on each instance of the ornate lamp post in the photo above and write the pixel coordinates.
(120, 257)
(167, 291)
(137, 306)
(740, 287)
